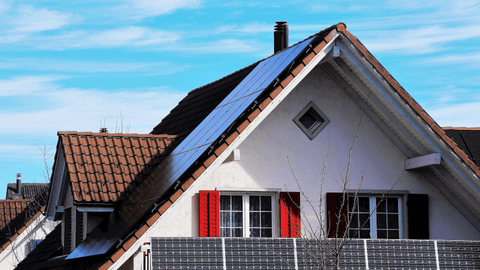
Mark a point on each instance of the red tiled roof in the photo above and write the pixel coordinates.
(103, 167)
(11, 210)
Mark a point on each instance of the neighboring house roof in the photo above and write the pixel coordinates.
(12, 214)
(102, 167)
(29, 190)
(144, 204)
(467, 139)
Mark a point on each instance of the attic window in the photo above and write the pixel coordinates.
(311, 120)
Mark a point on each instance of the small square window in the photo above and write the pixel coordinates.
(311, 120)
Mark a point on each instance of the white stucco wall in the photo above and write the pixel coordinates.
(17, 250)
(277, 141)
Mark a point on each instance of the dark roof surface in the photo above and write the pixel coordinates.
(29, 190)
(102, 167)
(47, 255)
(468, 140)
(200, 102)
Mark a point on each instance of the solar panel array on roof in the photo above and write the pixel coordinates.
(183, 156)
(290, 253)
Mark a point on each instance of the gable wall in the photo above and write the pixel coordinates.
(277, 143)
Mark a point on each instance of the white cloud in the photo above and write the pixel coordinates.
(66, 65)
(139, 9)
(459, 115)
(26, 85)
(418, 41)
(222, 46)
(469, 59)
(30, 19)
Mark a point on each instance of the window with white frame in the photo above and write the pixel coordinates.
(247, 215)
(375, 217)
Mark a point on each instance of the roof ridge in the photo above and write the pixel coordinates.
(240, 70)
(89, 133)
(460, 128)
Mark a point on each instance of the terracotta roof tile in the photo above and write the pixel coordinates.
(102, 166)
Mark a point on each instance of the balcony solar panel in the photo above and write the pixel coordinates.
(458, 254)
(288, 253)
(259, 253)
(197, 142)
(187, 253)
(401, 254)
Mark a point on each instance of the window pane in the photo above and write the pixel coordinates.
(254, 219)
(382, 234)
(224, 202)
(393, 221)
(381, 221)
(225, 232)
(392, 204)
(364, 222)
(267, 219)
(381, 205)
(254, 232)
(237, 219)
(364, 204)
(354, 222)
(353, 233)
(266, 203)
(237, 203)
(351, 204)
(308, 120)
(393, 234)
(364, 233)
(266, 232)
(254, 203)
(237, 232)
(224, 219)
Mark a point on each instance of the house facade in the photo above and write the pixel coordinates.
(316, 141)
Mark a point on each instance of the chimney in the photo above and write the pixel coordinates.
(19, 183)
(280, 36)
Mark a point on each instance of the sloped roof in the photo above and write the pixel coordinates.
(48, 255)
(144, 205)
(12, 212)
(468, 140)
(29, 190)
(103, 167)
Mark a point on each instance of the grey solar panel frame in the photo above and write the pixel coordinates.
(222, 117)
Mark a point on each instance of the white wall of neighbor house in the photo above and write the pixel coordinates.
(18, 250)
(277, 152)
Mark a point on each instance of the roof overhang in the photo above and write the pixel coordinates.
(57, 185)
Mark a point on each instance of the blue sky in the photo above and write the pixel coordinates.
(76, 65)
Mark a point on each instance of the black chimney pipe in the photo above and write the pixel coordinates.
(19, 183)
(280, 36)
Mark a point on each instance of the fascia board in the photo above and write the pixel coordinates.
(56, 185)
(418, 124)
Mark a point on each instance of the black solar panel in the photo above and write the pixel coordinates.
(401, 254)
(183, 156)
(458, 254)
(187, 253)
(259, 253)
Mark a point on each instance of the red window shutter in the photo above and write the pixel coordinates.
(337, 208)
(290, 216)
(209, 213)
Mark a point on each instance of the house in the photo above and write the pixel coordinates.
(22, 225)
(289, 146)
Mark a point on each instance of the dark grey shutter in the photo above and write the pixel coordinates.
(80, 231)
(417, 207)
(67, 240)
